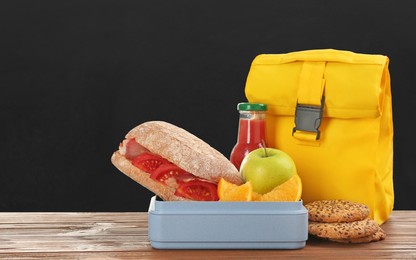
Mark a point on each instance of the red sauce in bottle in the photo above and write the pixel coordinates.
(251, 131)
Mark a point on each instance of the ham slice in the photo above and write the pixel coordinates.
(131, 149)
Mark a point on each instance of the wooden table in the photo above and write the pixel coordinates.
(124, 236)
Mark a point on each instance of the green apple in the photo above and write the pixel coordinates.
(267, 168)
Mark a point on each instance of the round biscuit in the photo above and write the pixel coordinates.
(377, 236)
(336, 211)
(344, 230)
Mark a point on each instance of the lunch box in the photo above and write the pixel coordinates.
(227, 225)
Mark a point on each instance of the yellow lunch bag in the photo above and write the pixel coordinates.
(331, 111)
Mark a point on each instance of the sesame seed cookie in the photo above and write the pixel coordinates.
(344, 230)
(377, 236)
(336, 211)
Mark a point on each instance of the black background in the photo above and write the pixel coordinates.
(76, 76)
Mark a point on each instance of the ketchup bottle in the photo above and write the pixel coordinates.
(251, 131)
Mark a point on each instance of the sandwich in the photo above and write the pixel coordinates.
(173, 163)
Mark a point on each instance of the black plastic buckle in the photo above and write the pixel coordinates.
(308, 118)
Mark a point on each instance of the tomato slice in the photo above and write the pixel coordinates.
(166, 171)
(198, 190)
(149, 162)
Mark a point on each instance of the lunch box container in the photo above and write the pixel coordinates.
(227, 225)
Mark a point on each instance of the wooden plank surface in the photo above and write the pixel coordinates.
(124, 236)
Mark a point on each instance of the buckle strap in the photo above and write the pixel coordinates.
(311, 83)
(310, 104)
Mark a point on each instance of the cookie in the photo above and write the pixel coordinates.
(344, 230)
(377, 236)
(336, 211)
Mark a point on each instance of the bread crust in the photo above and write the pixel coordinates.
(125, 166)
(185, 150)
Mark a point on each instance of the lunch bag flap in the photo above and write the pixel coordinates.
(352, 83)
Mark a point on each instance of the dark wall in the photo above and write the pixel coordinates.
(76, 76)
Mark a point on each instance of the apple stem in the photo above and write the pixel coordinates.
(264, 146)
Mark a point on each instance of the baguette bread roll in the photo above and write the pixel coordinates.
(180, 148)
